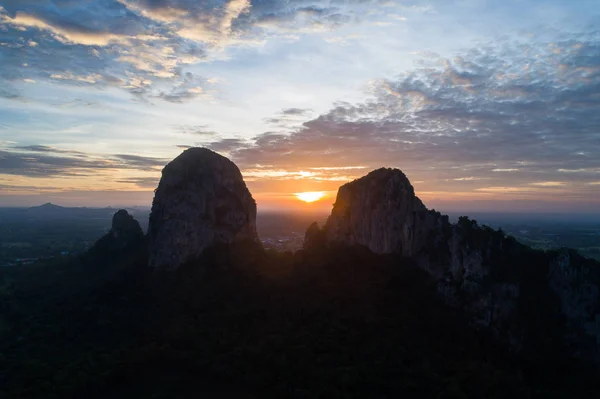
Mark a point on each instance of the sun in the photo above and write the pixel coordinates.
(310, 196)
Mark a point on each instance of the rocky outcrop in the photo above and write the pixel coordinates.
(314, 239)
(382, 212)
(125, 228)
(500, 284)
(125, 233)
(201, 201)
(378, 211)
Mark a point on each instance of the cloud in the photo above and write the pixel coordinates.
(232, 22)
(9, 93)
(526, 107)
(296, 111)
(11, 188)
(198, 130)
(121, 50)
(140, 162)
(506, 190)
(147, 47)
(68, 33)
(194, 20)
(469, 178)
(43, 165)
(142, 182)
(45, 161)
(289, 117)
(189, 87)
(549, 184)
(44, 148)
(228, 144)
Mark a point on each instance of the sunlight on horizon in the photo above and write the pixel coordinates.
(310, 196)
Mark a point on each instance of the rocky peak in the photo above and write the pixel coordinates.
(500, 284)
(125, 228)
(379, 211)
(201, 201)
(314, 237)
(125, 233)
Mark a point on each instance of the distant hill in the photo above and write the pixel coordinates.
(47, 207)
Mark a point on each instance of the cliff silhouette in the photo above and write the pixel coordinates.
(388, 299)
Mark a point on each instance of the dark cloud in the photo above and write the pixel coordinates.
(44, 161)
(142, 182)
(289, 117)
(228, 145)
(43, 165)
(296, 111)
(9, 93)
(13, 188)
(43, 148)
(141, 162)
(529, 106)
(198, 130)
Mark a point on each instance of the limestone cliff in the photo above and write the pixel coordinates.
(380, 211)
(201, 201)
(503, 286)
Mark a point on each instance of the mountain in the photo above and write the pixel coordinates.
(47, 207)
(125, 234)
(518, 294)
(388, 299)
(201, 201)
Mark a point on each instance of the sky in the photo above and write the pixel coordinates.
(485, 105)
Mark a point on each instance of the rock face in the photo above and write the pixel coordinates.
(500, 284)
(201, 201)
(380, 211)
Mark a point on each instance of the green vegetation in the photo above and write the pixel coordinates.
(246, 323)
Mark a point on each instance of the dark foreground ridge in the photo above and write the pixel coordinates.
(334, 320)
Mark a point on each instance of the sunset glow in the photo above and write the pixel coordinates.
(304, 96)
(310, 196)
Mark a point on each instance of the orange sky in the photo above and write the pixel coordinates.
(277, 189)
